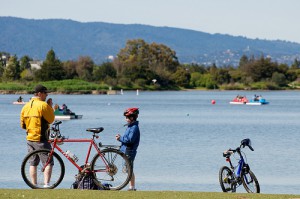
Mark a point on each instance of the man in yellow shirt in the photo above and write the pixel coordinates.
(36, 115)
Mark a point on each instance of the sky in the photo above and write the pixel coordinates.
(262, 19)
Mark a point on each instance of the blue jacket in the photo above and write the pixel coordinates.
(131, 138)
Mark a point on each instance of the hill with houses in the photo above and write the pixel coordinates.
(71, 39)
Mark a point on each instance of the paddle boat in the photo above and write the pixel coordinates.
(239, 100)
(19, 101)
(64, 113)
(261, 101)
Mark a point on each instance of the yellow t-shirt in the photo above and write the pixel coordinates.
(36, 115)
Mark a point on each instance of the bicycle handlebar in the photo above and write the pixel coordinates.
(229, 152)
(56, 132)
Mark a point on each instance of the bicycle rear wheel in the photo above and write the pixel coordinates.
(38, 158)
(250, 182)
(118, 173)
(227, 180)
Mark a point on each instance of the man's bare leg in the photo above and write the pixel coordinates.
(47, 174)
(33, 174)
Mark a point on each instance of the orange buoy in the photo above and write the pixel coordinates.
(213, 101)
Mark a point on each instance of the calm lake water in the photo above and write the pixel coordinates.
(183, 137)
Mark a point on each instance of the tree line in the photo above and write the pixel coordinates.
(153, 66)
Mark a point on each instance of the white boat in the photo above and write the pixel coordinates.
(257, 102)
(19, 102)
(236, 102)
(67, 117)
(65, 114)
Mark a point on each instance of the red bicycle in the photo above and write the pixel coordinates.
(45, 169)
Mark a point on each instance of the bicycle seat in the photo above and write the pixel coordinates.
(227, 153)
(95, 130)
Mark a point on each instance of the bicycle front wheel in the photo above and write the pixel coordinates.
(227, 180)
(112, 169)
(42, 171)
(250, 182)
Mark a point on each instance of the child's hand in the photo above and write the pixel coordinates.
(118, 137)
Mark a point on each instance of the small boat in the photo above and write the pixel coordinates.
(65, 113)
(67, 117)
(261, 101)
(239, 100)
(59, 115)
(19, 102)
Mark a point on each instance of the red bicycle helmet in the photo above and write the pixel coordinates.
(131, 112)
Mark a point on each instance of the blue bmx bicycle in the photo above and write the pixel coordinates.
(232, 177)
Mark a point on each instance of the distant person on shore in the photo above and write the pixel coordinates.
(130, 140)
(35, 117)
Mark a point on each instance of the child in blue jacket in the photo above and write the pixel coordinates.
(131, 139)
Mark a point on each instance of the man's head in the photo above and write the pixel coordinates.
(41, 91)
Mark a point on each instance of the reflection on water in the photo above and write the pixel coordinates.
(183, 137)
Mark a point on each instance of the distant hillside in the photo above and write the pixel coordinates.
(70, 39)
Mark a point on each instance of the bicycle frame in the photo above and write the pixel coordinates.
(240, 165)
(92, 144)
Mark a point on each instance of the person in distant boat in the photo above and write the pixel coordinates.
(255, 97)
(130, 140)
(35, 118)
(65, 109)
(20, 99)
(259, 97)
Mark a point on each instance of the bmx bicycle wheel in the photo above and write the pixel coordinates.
(116, 174)
(227, 180)
(250, 182)
(33, 168)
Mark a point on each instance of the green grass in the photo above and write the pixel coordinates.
(69, 193)
(63, 86)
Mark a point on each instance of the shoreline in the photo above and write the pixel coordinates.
(118, 92)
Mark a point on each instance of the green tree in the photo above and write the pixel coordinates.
(70, 69)
(1, 71)
(291, 75)
(132, 57)
(260, 70)
(84, 68)
(296, 64)
(27, 75)
(24, 63)
(139, 60)
(243, 61)
(195, 77)
(279, 79)
(195, 68)
(162, 56)
(12, 69)
(51, 69)
(181, 77)
(106, 70)
(222, 76)
(236, 75)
